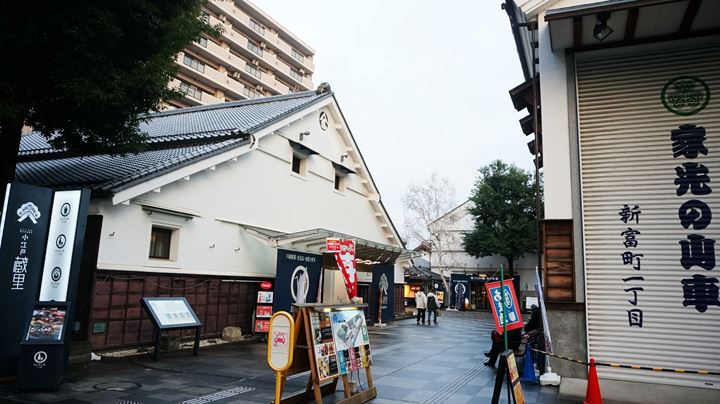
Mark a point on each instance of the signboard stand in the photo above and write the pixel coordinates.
(42, 350)
(514, 388)
(171, 313)
(305, 355)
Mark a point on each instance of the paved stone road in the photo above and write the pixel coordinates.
(412, 364)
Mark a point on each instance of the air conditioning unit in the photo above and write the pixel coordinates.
(236, 75)
(259, 88)
(255, 62)
(263, 45)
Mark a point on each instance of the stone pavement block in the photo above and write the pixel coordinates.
(396, 381)
(460, 399)
(418, 396)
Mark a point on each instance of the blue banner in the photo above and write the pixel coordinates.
(297, 278)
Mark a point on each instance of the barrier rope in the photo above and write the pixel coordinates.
(620, 365)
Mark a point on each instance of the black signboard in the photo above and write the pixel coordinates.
(23, 233)
(296, 279)
(460, 290)
(41, 350)
(382, 290)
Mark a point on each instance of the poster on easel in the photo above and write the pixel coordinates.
(323, 345)
(352, 341)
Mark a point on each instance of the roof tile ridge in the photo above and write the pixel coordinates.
(231, 104)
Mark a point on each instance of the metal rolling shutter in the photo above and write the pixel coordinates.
(627, 158)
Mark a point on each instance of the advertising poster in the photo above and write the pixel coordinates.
(297, 279)
(324, 345)
(264, 312)
(382, 290)
(265, 297)
(23, 232)
(460, 290)
(351, 340)
(512, 308)
(46, 324)
(262, 326)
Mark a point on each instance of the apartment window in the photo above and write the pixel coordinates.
(257, 27)
(339, 182)
(190, 90)
(160, 242)
(205, 16)
(254, 48)
(202, 42)
(252, 70)
(194, 63)
(250, 93)
(297, 55)
(299, 164)
(296, 75)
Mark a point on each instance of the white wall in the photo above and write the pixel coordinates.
(258, 189)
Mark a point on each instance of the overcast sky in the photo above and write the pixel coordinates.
(423, 84)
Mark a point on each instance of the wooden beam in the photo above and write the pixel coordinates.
(660, 38)
(579, 11)
(631, 23)
(577, 32)
(689, 17)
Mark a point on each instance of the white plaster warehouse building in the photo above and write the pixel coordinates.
(628, 131)
(204, 210)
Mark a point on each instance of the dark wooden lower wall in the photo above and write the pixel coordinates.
(218, 303)
(399, 301)
(559, 260)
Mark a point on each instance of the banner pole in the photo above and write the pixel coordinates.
(502, 303)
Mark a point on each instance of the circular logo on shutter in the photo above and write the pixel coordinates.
(324, 120)
(40, 357)
(685, 95)
(56, 274)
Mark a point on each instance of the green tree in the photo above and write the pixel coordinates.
(84, 72)
(503, 212)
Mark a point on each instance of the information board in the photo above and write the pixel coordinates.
(263, 312)
(265, 297)
(171, 312)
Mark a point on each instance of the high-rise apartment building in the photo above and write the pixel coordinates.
(254, 56)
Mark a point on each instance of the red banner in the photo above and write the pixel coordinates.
(510, 315)
(344, 251)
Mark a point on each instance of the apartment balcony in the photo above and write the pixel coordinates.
(212, 78)
(285, 73)
(205, 98)
(240, 19)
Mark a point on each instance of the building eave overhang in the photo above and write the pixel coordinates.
(632, 22)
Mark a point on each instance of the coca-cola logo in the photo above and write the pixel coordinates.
(265, 285)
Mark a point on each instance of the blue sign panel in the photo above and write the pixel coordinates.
(297, 279)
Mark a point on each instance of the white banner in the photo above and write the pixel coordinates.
(59, 249)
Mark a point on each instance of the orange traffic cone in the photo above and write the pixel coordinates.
(592, 394)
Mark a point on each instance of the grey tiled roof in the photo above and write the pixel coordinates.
(176, 138)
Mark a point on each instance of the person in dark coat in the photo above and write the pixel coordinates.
(514, 336)
(432, 306)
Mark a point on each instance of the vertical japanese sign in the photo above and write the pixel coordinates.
(23, 232)
(460, 290)
(512, 308)
(696, 251)
(344, 251)
(60, 246)
(634, 280)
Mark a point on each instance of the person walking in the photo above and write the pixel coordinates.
(420, 305)
(432, 306)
